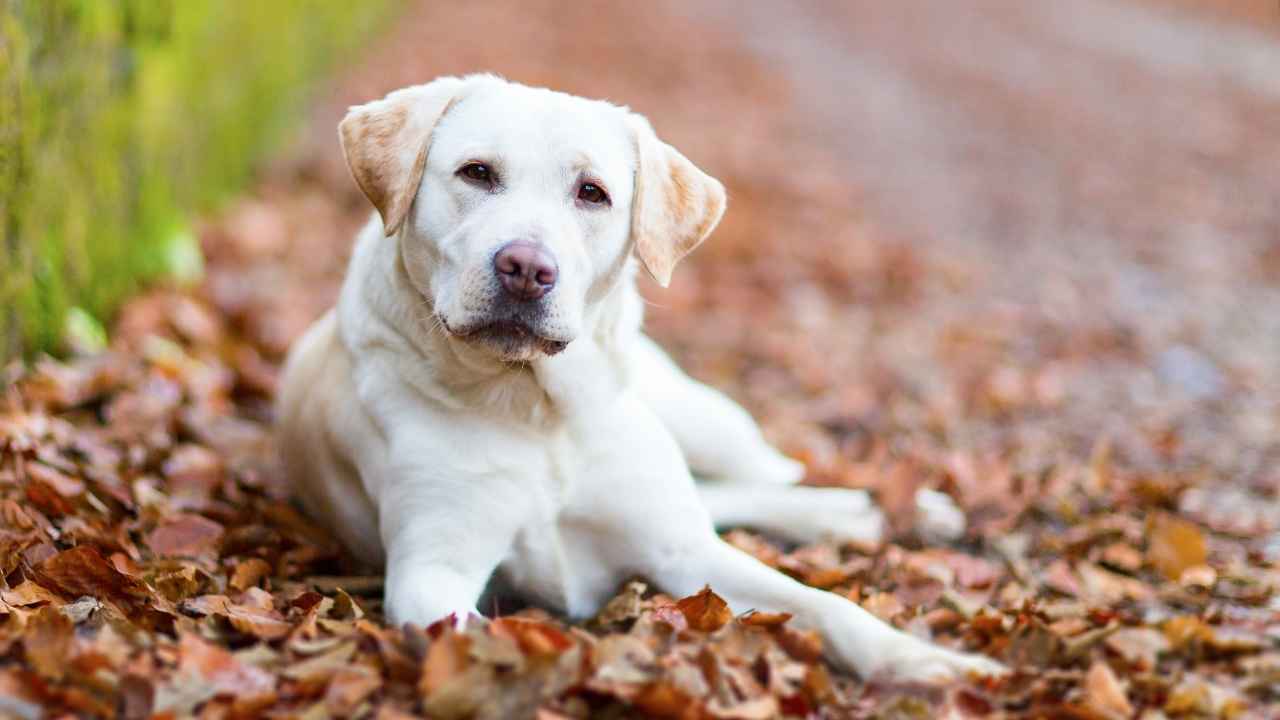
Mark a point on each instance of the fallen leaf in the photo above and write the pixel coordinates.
(1105, 695)
(185, 535)
(885, 606)
(249, 573)
(447, 657)
(204, 671)
(1196, 697)
(319, 669)
(256, 621)
(625, 606)
(533, 637)
(82, 570)
(1139, 646)
(764, 619)
(28, 593)
(349, 687)
(705, 611)
(47, 642)
(1174, 545)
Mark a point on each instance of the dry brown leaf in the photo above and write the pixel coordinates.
(885, 606)
(1139, 646)
(249, 573)
(47, 642)
(533, 637)
(83, 570)
(1195, 697)
(256, 621)
(705, 611)
(625, 606)
(1104, 694)
(1187, 633)
(350, 686)
(319, 669)
(1174, 545)
(28, 593)
(222, 670)
(1122, 556)
(447, 658)
(764, 619)
(663, 700)
(185, 535)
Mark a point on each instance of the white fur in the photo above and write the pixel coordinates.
(449, 459)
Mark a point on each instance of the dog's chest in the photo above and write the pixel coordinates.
(553, 558)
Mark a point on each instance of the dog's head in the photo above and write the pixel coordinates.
(517, 208)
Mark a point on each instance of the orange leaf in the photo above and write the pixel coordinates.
(705, 611)
(1175, 545)
(82, 570)
(249, 573)
(764, 619)
(1104, 695)
(221, 670)
(47, 641)
(447, 657)
(533, 637)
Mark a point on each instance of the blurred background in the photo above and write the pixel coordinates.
(1029, 230)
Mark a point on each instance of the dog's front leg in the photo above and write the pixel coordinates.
(853, 638)
(443, 540)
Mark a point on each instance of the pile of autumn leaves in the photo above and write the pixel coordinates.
(152, 564)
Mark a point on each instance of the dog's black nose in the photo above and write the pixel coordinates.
(525, 269)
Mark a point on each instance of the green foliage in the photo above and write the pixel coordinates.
(120, 118)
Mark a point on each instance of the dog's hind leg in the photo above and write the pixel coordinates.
(798, 514)
(719, 439)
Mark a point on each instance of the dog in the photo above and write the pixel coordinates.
(482, 399)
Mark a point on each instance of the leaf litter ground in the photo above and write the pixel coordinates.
(1112, 444)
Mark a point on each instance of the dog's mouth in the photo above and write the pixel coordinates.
(511, 338)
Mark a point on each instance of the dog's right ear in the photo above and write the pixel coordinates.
(385, 143)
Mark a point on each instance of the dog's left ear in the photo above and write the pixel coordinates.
(675, 207)
(385, 143)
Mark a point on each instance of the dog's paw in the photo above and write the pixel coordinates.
(406, 603)
(839, 514)
(920, 662)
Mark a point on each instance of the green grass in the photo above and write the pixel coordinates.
(119, 119)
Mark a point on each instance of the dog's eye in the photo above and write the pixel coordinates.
(477, 172)
(592, 193)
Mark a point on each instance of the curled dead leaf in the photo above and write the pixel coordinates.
(705, 611)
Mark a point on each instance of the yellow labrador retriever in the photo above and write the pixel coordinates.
(482, 398)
